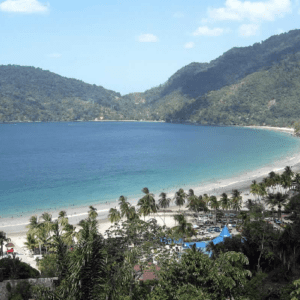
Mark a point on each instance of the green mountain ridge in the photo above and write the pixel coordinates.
(252, 85)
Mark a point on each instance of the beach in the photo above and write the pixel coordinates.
(15, 227)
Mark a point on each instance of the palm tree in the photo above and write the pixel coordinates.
(124, 207)
(180, 197)
(184, 228)
(3, 239)
(254, 188)
(236, 200)
(278, 200)
(87, 266)
(197, 204)
(206, 199)
(150, 198)
(63, 219)
(44, 229)
(225, 202)
(35, 229)
(191, 197)
(270, 201)
(31, 242)
(93, 212)
(114, 215)
(164, 202)
(288, 172)
(214, 204)
(145, 207)
(296, 182)
(69, 234)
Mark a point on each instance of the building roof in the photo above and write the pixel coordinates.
(147, 274)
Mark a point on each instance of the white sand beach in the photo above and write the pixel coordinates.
(16, 227)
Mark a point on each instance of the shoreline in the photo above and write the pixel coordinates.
(240, 181)
(15, 228)
(281, 129)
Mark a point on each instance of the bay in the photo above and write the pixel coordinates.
(53, 165)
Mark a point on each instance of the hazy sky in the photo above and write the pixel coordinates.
(133, 45)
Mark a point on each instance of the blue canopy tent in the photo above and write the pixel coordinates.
(225, 232)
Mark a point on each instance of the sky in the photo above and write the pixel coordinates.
(134, 45)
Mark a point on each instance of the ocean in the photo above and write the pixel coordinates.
(54, 165)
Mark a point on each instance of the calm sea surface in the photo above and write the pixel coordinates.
(47, 165)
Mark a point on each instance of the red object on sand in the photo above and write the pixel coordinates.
(10, 251)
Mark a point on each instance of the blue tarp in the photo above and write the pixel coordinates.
(225, 232)
(217, 240)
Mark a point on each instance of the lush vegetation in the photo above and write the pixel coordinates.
(263, 262)
(253, 85)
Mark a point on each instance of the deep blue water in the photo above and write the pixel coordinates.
(47, 165)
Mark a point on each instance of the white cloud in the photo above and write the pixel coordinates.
(23, 6)
(54, 55)
(178, 15)
(204, 30)
(147, 38)
(236, 10)
(189, 45)
(248, 29)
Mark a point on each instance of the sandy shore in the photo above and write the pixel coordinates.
(16, 227)
(282, 129)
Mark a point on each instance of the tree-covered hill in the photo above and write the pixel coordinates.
(247, 85)
(267, 97)
(196, 79)
(33, 94)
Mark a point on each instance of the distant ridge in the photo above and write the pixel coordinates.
(239, 87)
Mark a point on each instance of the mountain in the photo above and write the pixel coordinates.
(246, 86)
(33, 94)
(185, 90)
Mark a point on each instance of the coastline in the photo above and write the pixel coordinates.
(241, 182)
(16, 227)
(216, 187)
(281, 129)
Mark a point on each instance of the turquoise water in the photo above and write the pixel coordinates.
(52, 165)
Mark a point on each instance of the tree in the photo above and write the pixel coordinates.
(197, 204)
(86, 268)
(278, 200)
(114, 215)
(236, 200)
(164, 202)
(214, 204)
(3, 239)
(31, 242)
(126, 209)
(35, 229)
(147, 203)
(225, 202)
(184, 228)
(202, 278)
(180, 197)
(296, 182)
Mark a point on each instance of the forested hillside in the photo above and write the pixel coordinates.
(33, 94)
(252, 85)
(267, 97)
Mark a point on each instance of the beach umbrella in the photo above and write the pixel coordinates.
(9, 245)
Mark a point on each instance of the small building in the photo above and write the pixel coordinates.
(147, 274)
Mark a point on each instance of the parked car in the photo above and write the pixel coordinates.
(217, 229)
(222, 226)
